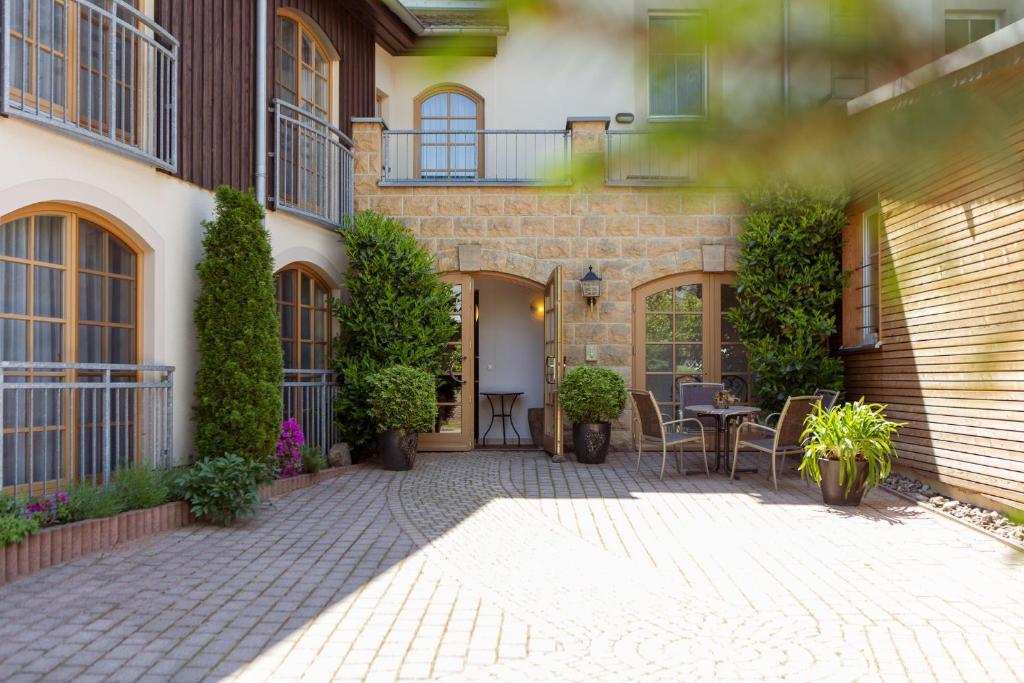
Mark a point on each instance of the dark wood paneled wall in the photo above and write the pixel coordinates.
(951, 362)
(217, 78)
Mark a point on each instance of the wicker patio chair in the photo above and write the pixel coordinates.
(648, 424)
(786, 439)
(828, 398)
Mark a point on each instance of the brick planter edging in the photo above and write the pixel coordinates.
(58, 544)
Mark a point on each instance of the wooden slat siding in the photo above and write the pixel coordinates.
(216, 123)
(951, 363)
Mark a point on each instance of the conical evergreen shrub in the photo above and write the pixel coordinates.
(238, 385)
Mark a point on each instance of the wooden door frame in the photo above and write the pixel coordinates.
(553, 442)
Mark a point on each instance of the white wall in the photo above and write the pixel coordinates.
(511, 351)
(163, 215)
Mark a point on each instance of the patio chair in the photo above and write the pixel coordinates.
(695, 394)
(828, 398)
(786, 439)
(648, 424)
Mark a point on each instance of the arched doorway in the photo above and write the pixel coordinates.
(497, 378)
(681, 333)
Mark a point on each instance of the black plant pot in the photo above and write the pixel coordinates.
(591, 441)
(834, 493)
(397, 449)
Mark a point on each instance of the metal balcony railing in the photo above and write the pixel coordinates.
(647, 158)
(308, 397)
(99, 70)
(314, 166)
(65, 422)
(476, 157)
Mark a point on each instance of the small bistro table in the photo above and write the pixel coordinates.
(502, 414)
(723, 417)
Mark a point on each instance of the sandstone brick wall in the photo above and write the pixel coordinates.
(630, 235)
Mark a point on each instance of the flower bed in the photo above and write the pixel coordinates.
(64, 542)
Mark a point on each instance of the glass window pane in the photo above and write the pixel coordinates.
(90, 344)
(729, 332)
(286, 30)
(14, 238)
(122, 345)
(304, 325)
(689, 328)
(13, 288)
(462, 106)
(288, 349)
(305, 356)
(320, 326)
(287, 322)
(662, 301)
(307, 287)
(319, 356)
(689, 359)
(122, 258)
(47, 342)
(122, 300)
(286, 285)
(957, 34)
(13, 339)
(661, 385)
(689, 85)
(320, 297)
(48, 298)
(435, 106)
(659, 328)
(659, 358)
(734, 358)
(981, 28)
(90, 297)
(50, 239)
(688, 299)
(90, 245)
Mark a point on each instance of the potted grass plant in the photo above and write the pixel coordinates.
(402, 403)
(591, 397)
(849, 450)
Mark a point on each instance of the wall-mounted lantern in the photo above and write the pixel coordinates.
(590, 287)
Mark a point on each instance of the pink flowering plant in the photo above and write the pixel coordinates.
(289, 449)
(49, 510)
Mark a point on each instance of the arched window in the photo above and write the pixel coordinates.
(303, 304)
(303, 80)
(68, 295)
(444, 152)
(681, 334)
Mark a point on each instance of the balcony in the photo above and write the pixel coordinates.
(98, 70)
(65, 422)
(648, 158)
(308, 397)
(314, 166)
(476, 157)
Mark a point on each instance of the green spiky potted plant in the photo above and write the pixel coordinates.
(849, 450)
(402, 403)
(591, 397)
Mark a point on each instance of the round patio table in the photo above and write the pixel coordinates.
(723, 417)
(502, 414)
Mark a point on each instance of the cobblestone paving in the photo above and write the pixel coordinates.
(502, 566)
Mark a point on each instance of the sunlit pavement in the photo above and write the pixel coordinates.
(502, 566)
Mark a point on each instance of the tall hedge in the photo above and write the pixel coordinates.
(789, 282)
(238, 386)
(397, 312)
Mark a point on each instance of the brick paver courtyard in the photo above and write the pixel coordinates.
(503, 566)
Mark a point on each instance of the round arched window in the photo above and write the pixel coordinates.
(303, 304)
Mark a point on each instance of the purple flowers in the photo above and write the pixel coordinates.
(48, 510)
(289, 449)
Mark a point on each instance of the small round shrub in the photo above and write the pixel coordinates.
(221, 490)
(16, 529)
(312, 460)
(403, 398)
(591, 394)
(86, 501)
(140, 487)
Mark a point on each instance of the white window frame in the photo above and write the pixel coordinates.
(870, 278)
(969, 15)
(647, 56)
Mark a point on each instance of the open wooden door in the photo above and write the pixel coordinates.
(554, 363)
(456, 405)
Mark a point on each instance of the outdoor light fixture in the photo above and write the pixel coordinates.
(590, 287)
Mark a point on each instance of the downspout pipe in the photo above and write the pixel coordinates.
(261, 102)
(785, 57)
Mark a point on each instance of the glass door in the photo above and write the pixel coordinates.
(453, 427)
(554, 362)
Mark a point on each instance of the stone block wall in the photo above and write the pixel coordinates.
(630, 235)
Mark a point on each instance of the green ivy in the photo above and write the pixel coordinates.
(589, 394)
(398, 312)
(403, 398)
(238, 385)
(789, 282)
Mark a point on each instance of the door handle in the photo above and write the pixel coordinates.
(550, 363)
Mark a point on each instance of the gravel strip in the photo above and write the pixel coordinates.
(989, 520)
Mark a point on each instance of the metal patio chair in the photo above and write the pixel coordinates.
(786, 439)
(695, 394)
(648, 424)
(828, 397)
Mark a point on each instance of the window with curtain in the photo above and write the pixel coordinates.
(303, 305)
(68, 294)
(963, 28)
(678, 69)
(449, 148)
(61, 62)
(303, 80)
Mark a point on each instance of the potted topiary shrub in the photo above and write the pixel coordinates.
(591, 397)
(849, 450)
(402, 403)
